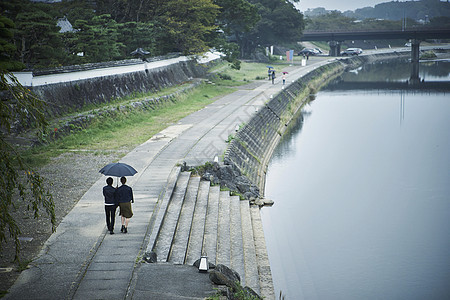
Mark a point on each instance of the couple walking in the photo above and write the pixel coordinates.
(122, 197)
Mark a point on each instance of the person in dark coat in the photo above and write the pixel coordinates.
(110, 204)
(125, 198)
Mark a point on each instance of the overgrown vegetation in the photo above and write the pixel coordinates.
(428, 55)
(20, 184)
(238, 293)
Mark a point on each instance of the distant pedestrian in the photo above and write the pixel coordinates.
(273, 76)
(125, 198)
(284, 78)
(111, 203)
(270, 73)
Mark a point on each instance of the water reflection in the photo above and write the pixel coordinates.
(433, 76)
(402, 107)
(399, 71)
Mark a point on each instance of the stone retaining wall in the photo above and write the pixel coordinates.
(72, 96)
(255, 142)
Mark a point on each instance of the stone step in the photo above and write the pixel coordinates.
(265, 275)
(157, 217)
(181, 239)
(251, 267)
(169, 224)
(194, 250)
(212, 216)
(223, 233)
(202, 220)
(236, 241)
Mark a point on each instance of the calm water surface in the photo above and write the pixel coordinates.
(362, 198)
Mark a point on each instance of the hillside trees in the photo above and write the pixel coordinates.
(335, 20)
(112, 29)
(397, 10)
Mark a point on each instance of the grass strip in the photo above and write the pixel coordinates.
(126, 130)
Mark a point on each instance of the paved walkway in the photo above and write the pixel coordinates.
(81, 261)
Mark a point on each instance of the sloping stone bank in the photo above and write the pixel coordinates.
(253, 145)
(72, 96)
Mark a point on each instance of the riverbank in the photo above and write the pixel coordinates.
(253, 145)
(219, 131)
(196, 140)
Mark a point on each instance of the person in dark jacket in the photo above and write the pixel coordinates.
(110, 204)
(125, 197)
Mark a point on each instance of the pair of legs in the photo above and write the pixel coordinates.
(126, 213)
(110, 211)
(124, 224)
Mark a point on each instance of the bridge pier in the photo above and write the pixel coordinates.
(335, 48)
(415, 51)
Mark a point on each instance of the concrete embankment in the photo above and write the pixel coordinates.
(253, 145)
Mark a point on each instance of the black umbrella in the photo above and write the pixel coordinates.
(118, 169)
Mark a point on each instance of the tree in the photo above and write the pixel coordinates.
(280, 23)
(135, 35)
(20, 185)
(187, 23)
(97, 39)
(40, 44)
(236, 18)
(7, 48)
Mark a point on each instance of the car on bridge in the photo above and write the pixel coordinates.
(351, 52)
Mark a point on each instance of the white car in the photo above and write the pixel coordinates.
(351, 51)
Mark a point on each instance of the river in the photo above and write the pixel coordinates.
(361, 185)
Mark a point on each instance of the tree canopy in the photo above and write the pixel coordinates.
(112, 29)
(280, 22)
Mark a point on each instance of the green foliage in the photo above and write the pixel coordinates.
(19, 181)
(396, 10)
(428, 55)
(224, 76)
(111, 29)
(238, 293)
(188, 22)
(97, 39)
(237, 16)
(7, 48)
(39, 39)
(133, 35)
(280, 22)
(336, 19)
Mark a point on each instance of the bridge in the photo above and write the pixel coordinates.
(416, 35)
